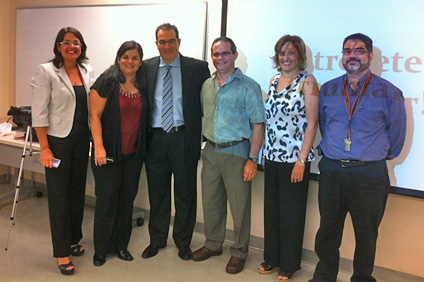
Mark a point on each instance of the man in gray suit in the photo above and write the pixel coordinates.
(173, 83)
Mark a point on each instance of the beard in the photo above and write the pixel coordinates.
(357, 69)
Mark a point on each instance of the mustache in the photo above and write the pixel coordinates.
(353, 59)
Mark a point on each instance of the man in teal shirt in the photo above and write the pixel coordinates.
(233, 126)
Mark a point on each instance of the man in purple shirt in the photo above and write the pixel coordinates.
(363, 124)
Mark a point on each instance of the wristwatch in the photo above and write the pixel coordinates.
(254, 159)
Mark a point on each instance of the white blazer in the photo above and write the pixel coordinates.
(53, 98)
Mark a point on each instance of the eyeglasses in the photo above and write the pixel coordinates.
(69, 43)
(164, 42)
(358, 52)
(224, 54)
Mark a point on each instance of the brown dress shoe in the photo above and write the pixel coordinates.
(235, 265)
(204, 253)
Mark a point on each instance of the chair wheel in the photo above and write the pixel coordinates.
(140, 221)
(39, 194)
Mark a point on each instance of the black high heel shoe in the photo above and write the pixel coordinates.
(64, 268)
(77, 250)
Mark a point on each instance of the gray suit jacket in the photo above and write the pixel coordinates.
(53, 98)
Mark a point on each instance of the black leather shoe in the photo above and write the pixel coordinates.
(150, 251)
(184, 253)
(125, 255)
(99, 260)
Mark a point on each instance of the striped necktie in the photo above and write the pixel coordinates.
(167, 103)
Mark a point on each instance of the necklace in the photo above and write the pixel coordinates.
(129, 95)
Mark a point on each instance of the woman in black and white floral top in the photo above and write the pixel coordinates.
(291, 110)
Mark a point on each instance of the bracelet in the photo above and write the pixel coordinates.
(302, 161)
(45, 147)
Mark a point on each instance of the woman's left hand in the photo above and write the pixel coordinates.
(297, 173)
(46, 157)
(100, 156)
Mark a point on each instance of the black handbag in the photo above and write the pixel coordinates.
(21, 116)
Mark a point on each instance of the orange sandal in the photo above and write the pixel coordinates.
(265, 268)
(284, 276)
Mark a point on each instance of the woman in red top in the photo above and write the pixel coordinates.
(118, 116)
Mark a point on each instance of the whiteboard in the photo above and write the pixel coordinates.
(104, 29)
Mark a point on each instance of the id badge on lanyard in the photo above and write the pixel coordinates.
(352, 110)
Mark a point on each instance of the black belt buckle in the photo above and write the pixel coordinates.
(351, 163)
(345, 163)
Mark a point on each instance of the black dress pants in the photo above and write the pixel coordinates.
(284, 215)
(166, 156)
(66, 188)
(116, 189)
(362, 191)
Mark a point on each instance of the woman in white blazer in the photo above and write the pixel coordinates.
(60, 115)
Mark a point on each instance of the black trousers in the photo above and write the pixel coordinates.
(362, 191)
(66, 188)
(284, 215)
(116, 188)
(166, 156)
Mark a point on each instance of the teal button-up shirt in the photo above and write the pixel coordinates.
(230, 110)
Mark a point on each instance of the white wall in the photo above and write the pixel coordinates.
(400, 244)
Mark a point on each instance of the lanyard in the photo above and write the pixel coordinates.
(352, 110)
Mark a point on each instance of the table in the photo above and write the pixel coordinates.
(11, 155)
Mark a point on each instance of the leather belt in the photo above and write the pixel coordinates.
(172, 130)
(352, 163)
(226, 144)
